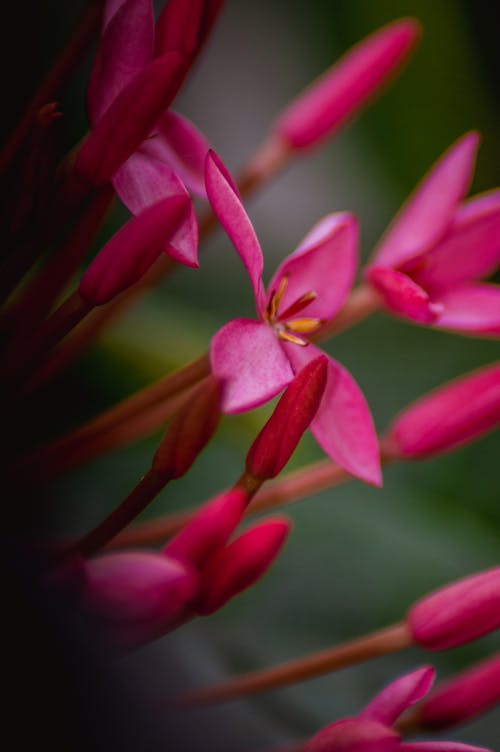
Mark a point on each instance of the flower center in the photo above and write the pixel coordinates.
(286, 327)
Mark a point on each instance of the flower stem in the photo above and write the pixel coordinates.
(361, 303)
(383, 642)
(62, 69)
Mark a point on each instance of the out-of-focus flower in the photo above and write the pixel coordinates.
(450, 416)
(428, 264)
(254, 360)
(372, 730)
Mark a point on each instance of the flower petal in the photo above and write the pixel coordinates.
(354, 735)
(440, 747)
(428, 212)
(403, 296)
(231, 213)
(325, 262)
(126, 47)
(144, 180)
(401, 694)
(181, 145)
(470, 250)
(343, 425)
(471, 309)
(250, 363)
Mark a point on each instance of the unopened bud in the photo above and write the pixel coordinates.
(452, 415)
(458, 613)
(190, 431)
(276, 443)
(183, 26)
(209, 529)
(133, 250)
(343, 89)
(130, 118)
(240, 564)
(354, 735)
(467, 695)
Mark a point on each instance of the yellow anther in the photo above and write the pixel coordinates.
(275, 300)
(287, 337)
(303, 326)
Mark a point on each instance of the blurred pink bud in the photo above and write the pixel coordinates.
(454, 414)
(458, 613)
(184, 25)
(341, 92)
(209, 529)
(463, 697)
(276, 443)
(354, 735)
(190, 431)
(240, 564)
(132, 250)
(130, 118)
(139, 595)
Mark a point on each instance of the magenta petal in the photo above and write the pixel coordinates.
(181, 145)
(403, 296)
(354, 735)
(250, 363)
(231, 213)
(470, 249)
(440, 747)
(325, 262)
(143, 181)
(428, 212)
(125, 48)
(343, 89)
(472, 309)
(401, 694)
(343, 425)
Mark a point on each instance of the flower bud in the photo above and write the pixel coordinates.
(341, 92)
(354, 735)
(240, 564)
(190, 431)
(458, 613)
(276, 443)
(138, 594)
(130, 118)
(132, 250)
(209, 529)
(183, 26)
(452, 415)
(463, 697)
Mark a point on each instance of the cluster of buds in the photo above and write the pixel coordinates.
(143, 580)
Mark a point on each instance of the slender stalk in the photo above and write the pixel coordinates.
(361, 303)
(132, 418)
(62, 69)
(383, 642)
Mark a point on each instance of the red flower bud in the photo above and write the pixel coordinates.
(276, 443)
(458, 613)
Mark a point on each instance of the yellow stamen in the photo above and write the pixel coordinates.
(275, 300)
(303, 326)
(291, 338)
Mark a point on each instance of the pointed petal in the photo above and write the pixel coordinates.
(325, 262)
(343, 425)
(469, 251)
(343, 89)
(125, 48)
(440, 747)
(180, 144)
(144, 180)
(178, 26)
(401, 694)
(354, 735)
(471, 309)
(250, 363)
(231, 213)
(428, 212)
(403, 296)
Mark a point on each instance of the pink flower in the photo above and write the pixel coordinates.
(168, 157)
(254, 360)
(452, 415)
(429, 263)
(372, 730)
(458, 613)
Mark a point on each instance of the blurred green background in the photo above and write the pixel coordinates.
(358, 556)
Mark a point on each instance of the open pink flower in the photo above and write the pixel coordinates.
(170, 159)
(429, 264)
(254, 360)
(372, 730)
